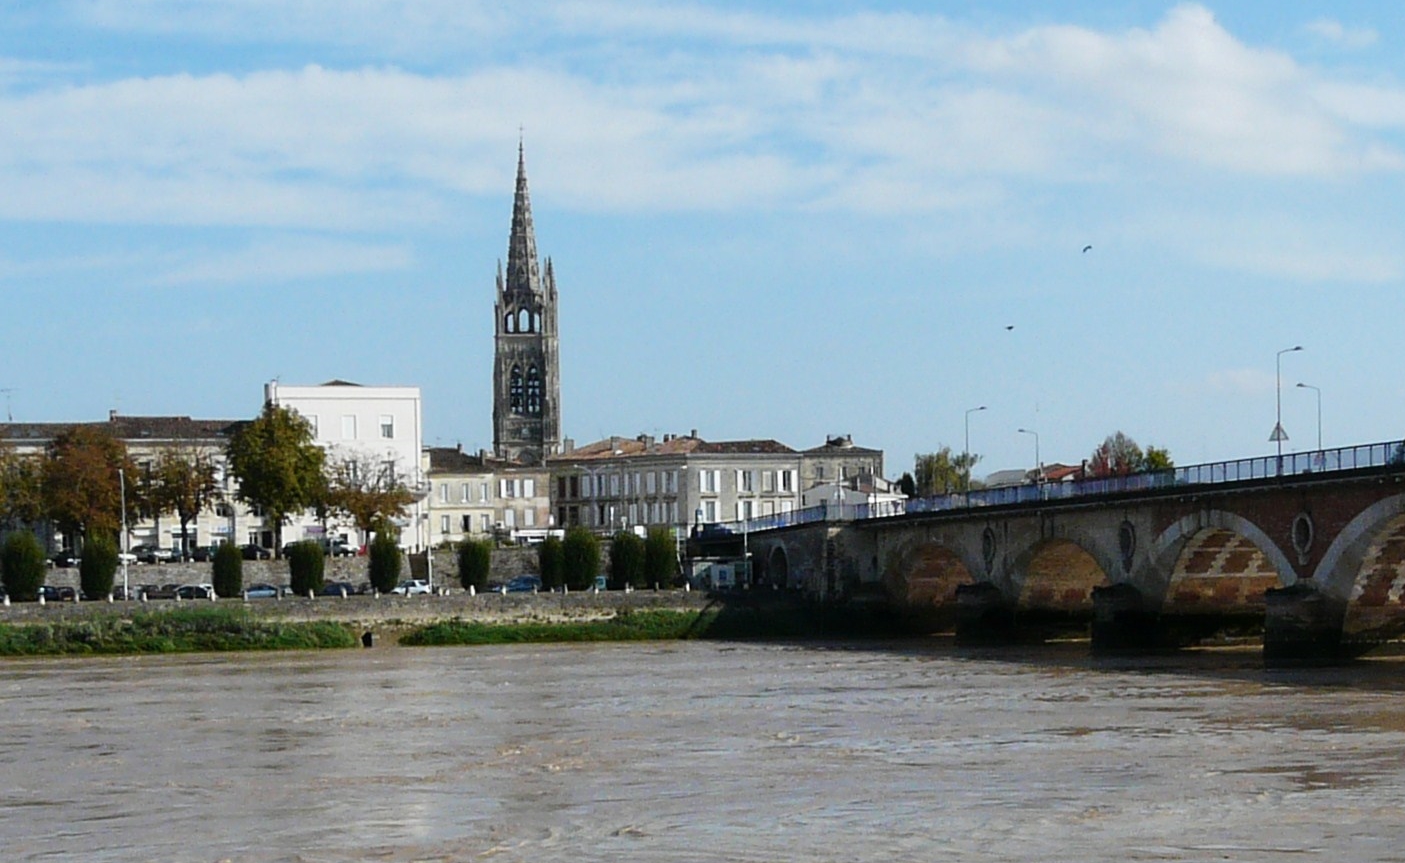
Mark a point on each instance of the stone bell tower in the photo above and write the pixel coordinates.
(526, 368)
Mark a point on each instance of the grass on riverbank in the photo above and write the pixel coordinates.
(182, 630)
(657, 625)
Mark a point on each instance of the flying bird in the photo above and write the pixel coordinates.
(1010, 327)
(1086, 249)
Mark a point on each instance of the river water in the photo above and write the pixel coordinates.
(699, 752)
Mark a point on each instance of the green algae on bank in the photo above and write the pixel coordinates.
(184, 630)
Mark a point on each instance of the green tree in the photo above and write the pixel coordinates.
(22, 566)
(21, 487)
(82, 490)
(97, 566)
(907, 485)
(182, 481)
(660, 557)
(475, 563)
(306, 562)
(228, 571)
(384, 554)
(550, 562)
(580, 558)
(278, 467)
(1119, 455)
(1157, 458)
(941, 472)
(626, 561)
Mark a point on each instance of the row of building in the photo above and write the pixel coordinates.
(678, 481)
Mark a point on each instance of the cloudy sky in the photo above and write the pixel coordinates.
(778, 220)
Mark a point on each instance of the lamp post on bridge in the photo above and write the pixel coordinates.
(1038, 465)
(1318, 392)
(966, 454)
(1279, 435)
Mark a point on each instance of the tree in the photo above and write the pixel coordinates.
(626, 561)
(475, 563)
(182, 481)
(580, 558)
(941, 472)
(907, 485)
(278, 467)
(22, 566)
(385, 561)
(228, 571)
(97, 566)
(550, 562)
(370, 493)
(660, 557)
(82, 490)
(306, 564)
(21, 487)
(1119, 455)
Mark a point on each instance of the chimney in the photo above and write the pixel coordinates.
(693, 434)
(112, 415)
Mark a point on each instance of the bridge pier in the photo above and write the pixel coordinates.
(983, 614)
(1302, 626)
(1122, 623)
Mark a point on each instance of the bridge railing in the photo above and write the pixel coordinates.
(1347, 458)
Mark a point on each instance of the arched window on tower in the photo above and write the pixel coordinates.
(524, 321)
(536, 322)
(514, 390)
(509, 322)
(534, 391)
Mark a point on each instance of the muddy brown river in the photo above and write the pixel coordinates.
(699, 752)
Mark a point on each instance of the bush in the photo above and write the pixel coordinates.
(660, 557)
(384, 555)
(306, 565)
(22, 566)
(475, 563)
(626, 560)
(228, 571)
(580, 558)
(97, 567)
(550, 562)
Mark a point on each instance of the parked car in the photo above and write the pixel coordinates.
(54, 593)
(340, 548)
(338, 588)
(261, 590)
(203, 553)
(164, 591)
(195, 591)
(121, 593)
(153, 554)
(126, 557)
(524, 584)
(251, 551)
(411, 586)
(64, 559)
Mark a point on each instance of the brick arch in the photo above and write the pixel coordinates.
(1364, 565)
(778, 567)
(1217, 561)
(925, 574)
(1058, 574)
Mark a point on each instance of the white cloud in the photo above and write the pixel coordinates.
(1347, 37)
(1238, 382)
(285, 260)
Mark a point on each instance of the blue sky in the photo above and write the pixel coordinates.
(767, 220)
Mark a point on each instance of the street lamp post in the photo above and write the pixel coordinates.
(1038, 465)
(122, 487)
(966, 454)
(1279, 435)
(1318, 391)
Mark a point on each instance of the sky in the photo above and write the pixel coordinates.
(767, 220)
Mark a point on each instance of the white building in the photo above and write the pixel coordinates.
(375, 433)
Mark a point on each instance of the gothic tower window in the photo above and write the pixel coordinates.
(508, 322)
(534, 391)
(514, 397)
(524, 322)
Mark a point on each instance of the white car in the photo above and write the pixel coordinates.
(411, 587)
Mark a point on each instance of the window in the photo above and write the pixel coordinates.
(614, 485)
(746, 480)
(387, 426)
(509, 517)
(464, 496)
(483, 523)
(466, 522)
(443, 492)
(482, 492)
(787, 478)
(443, 524)
(709, 480)
(709, 508)
(514, 390)
(651, 483)
(529, 517)
(312, 421)
(768, 480)
(534, 391)
(529, 488)
(348, 427)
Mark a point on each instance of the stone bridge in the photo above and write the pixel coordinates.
(1316, 560)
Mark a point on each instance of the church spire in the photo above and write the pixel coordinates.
(522, 267)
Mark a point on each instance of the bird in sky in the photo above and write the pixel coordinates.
(1086, 249)
(1010, 327)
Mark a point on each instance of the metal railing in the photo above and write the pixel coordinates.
(1327, 461)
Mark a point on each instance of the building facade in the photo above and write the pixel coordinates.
(479, 496)
(526, 365)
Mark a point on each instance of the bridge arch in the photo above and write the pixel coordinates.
(926, 573)
(1364, 569)
(1216, 560)
(1058, 574)
(777, 567)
